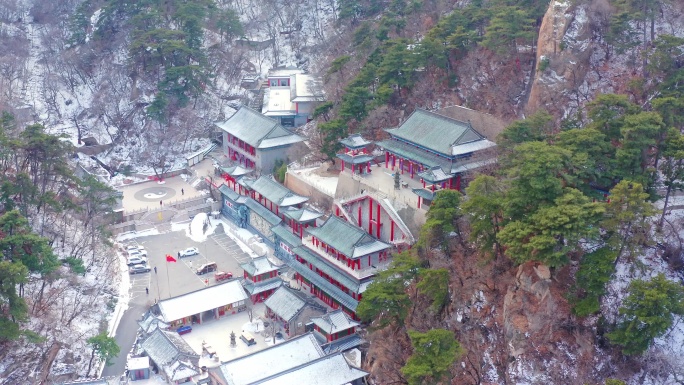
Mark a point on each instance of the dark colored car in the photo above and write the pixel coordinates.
(206, 268)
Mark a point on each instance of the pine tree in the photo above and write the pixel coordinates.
(434, 283)
(647, 313)
(104, 347)
(433, 354)
(627, 219)
(484, 207)
(594, 272)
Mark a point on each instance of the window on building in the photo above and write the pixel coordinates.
(273, 82)
(287, 122)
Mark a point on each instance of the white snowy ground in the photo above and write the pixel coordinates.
(664, 360)
(326, 184)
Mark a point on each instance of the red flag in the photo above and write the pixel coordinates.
(170, 258)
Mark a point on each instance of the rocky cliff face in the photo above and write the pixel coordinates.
(574, 62)
(544, 343)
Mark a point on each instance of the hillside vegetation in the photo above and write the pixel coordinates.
(561, 265)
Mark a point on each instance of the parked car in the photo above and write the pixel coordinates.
(206, 268)
(136, 260)
(135, 269)
(138, 253)
(189, 252)
(138, 248)
(222, 275)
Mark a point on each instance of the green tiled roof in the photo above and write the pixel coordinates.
(227, 191)
(435, 132)
(285, 303)
(257, 130)
(285, 233)
(424, 193)
(262, 286)
(280, 195)
(362, 158)
(236, 171)
(309, 256)
(346, 238)
(434, 174)
(302, 215)
(262, 211)
(355, 141)
(258, 266)
(330, 289)
(421, 156)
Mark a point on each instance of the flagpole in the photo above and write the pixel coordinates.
(168, 285)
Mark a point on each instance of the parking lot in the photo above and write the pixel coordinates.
(171, 279)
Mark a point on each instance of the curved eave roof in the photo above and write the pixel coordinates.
(355, 159)
(424, 193)
(302, 215)
(435, 174)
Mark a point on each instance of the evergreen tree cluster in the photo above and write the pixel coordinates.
(37, 183)
(581, 192)
(393, 64)
(166, 42)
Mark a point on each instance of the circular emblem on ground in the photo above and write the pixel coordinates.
(155, 194)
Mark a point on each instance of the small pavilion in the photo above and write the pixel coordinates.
(434, 179)
(356, 154)
(232, 173)
(300, 218)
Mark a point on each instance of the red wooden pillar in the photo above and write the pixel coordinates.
(411, 169)
(370, 216)
(458, 182)
(418, 202)
(391, 230)
(337, 210)
(359, 216)
(342, 165)
(386, 159)
(377, 222)
(368, 169)
(352, 168)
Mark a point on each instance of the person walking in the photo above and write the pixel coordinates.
(147, 290)
(182, 192)
(155, 270)
(160, 203)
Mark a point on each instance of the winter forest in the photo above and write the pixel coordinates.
(562, 263)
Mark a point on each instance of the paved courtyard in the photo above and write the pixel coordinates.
(147, 195)
(216, 333)
(172, 279)
(382, 179)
